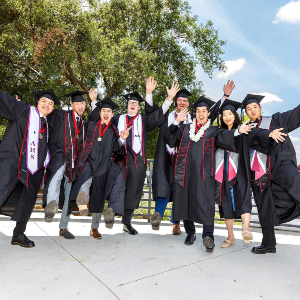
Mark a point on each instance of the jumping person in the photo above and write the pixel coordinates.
(94, 162)
(66, 135)
(24, 156)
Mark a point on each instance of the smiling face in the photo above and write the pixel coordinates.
(133, 107)
(182, 103)
(106, 114)
(45, 106)
(253, 111)
(79, 107)
(228, 118)
(202, 114)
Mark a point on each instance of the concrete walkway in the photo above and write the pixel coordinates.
(151, 265)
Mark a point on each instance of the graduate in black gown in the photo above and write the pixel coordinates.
(194, 178)
(165, 157)
(275, 178)
(94, 162)
(66, 134)
(24, 156)
(233, 175)
(127, 173)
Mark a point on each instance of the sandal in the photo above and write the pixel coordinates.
(227, 243)
(247, 236)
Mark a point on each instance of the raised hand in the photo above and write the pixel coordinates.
(17, 97)
(228, 88)
(245, 127)
(172, 91)
(277, 135)
(124, 134)
(93, 94)
(150, 85)
(182, 116)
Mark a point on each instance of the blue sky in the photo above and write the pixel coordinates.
(262, 51)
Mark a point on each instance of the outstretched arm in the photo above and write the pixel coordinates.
(227, 89)
(11, 108)
(289, 120)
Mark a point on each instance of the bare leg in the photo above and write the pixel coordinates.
(229, 225)
(246, 221)
(247, 235)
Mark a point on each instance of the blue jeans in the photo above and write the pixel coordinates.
(161, 205)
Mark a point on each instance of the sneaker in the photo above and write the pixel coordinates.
(66, 234)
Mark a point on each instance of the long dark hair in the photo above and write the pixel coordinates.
(236, 122)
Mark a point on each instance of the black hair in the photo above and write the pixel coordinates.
(236, 122)
(194, 114)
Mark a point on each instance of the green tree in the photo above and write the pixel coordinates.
(114, 45)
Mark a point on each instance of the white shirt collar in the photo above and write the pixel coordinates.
(76, 115)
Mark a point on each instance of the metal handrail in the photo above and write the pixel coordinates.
(149, 200)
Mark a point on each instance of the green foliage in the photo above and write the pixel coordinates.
(115, 45)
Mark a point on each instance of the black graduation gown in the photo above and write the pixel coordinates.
(278, 196)
(194, 179)
(18, 187)
(163, 167)
(95, 161)
(241, 184)
(60, 148)
(135, 165)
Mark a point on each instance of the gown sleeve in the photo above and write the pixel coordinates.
(224, 139)
(12, 109)
(173, 135)
(289, 120)
(214, 111)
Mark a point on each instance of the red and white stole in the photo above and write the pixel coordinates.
(33, 134)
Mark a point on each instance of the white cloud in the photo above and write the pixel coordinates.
(289, 13)
(294, 138)
(213, 10)
(232, 67)
(269, 98)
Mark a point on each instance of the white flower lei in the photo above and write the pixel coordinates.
(196, 137)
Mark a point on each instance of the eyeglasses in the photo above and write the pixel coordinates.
(182, 101)
(133, 103)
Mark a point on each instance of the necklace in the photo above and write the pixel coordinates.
(100, 130)
(196, 137)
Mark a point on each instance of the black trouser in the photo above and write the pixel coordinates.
(19, 229)
(127, 216)
(208, 230)
(269, 239)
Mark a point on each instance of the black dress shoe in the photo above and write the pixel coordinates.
(209, 243)
(23, 241)
(190, 239)
(263, 250)
(128, 228)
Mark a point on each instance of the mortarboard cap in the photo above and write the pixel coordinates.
(49, 94)
(184, 93)
(230, 104)
(107, 103)
(134, 96)
(202, 101)
(76, 96)
(251, 98)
